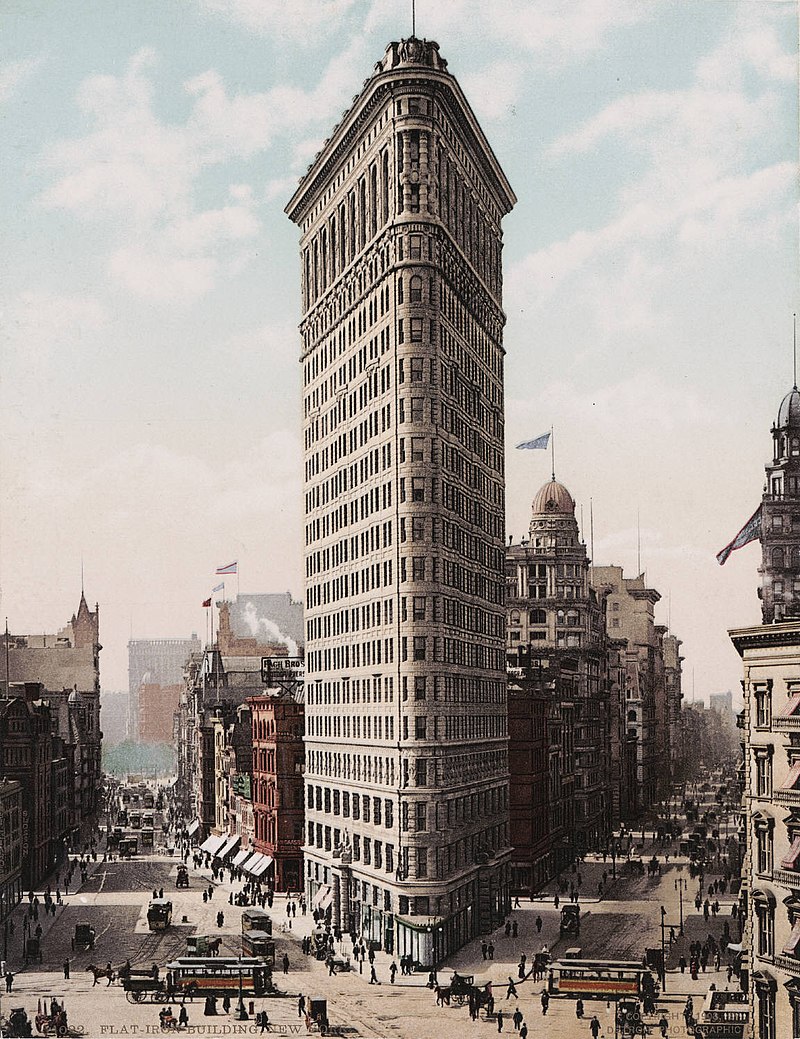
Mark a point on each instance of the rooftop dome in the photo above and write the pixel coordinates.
(789, 411)
(552, 498)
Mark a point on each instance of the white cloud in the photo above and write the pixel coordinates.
(13, 75)
(494, 89)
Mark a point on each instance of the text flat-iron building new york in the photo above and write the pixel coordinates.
(406, 781)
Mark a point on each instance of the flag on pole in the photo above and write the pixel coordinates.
(751, 531)
(540, 443)
(219, 588)
(207, 602)
(231, 568)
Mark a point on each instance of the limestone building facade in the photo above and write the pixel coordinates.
(402, 373)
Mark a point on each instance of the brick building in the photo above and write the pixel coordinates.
(277, 729)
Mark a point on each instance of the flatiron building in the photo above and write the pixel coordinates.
(406, 781)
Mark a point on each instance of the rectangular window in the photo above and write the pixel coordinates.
(422, 863)
(418, 568)
(420, 687)
(420, 727)
(367, 851)
(422, 772)
(418, 488)
(420, 647)
(365, 808)
(388, 815)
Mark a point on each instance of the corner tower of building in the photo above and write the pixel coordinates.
(406, 727)
(780, 517)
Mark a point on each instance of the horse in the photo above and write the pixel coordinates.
(442, 995)
(213, 945)
(101, 972)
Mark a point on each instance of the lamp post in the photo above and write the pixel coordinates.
(680, 887)
(241, 1013)
(663, 953)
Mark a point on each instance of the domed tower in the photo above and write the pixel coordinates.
(780, 517)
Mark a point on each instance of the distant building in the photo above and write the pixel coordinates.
(155, 662)
(722, 703)
(157, 706)
(114, 705)
(263, 624)
(630, 616)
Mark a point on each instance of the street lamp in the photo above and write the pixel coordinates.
(241, 1014)
(663, 953)
(680, 887)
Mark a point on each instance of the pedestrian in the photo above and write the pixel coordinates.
(226, 1003)
(545, 1001)
(516, 902)
(508, 928)
(523, 1031)
(490, 950)
(285, 963)
(594, 1027)
(514, 929)
(373, 977)
(663, 1025)
(210, 891)
(66, 970)
(517, 1018)
(539, 924)
(511, 989)
(500, 1020)
(556, 900)
(9, 980)
(484, 948)
(392, 971)
(220, 918)
(579, 1009)
(183, 1016)
(301, 1005)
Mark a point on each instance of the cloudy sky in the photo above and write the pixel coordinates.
(150, 285)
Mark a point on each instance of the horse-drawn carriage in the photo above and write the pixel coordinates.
(141, 987)
(570, 919)
(52, 1022)
(83, 938)
(202, 945)
(467, 988)
(182, 879)
(16, 1024)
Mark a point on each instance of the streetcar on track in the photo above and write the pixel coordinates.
(601, 979)
(159, 914)
(194, 977)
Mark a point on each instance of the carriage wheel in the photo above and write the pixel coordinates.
(137, 997)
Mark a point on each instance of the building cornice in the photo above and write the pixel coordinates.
(786, 634)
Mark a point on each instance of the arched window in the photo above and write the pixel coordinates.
(795, 447)
(515, 616)
(415, 289)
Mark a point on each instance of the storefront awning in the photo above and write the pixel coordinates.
(252, 862)
(193, 828)
(794, 853)
(794, 940)
(213, 843)
(241, 856)
(791, 781)
(262, 866)
(228, 846)
(323, 897)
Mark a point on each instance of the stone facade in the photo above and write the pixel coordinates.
(556, 638)
(155, 662)
(11, 846)
(406, 724)
(780, 517)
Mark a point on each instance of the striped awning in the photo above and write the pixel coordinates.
(213, 843)
(241, 856)
(262, 866)
(254, 859)
(323, 897)
(193, 828)
(228, 846)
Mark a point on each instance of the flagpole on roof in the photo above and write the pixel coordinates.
(553, 452)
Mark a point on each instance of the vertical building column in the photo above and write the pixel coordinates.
(405, 176)
(423, 173)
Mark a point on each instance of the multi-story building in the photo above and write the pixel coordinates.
(261, 624)
(11, 848)
(770, 724)
(630, 616)
(406, 744)
(155, 662)
(157, 706)
(556, 635)
(67, 665)
(780, 520)
(529, 707)
(26, 756)
(278, 759)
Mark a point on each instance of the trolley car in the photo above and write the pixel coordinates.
(195, 977)
(159, 914)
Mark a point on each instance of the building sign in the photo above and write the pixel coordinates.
(282, 669)
(241, 785)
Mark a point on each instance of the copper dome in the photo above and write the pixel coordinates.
(789, 411)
